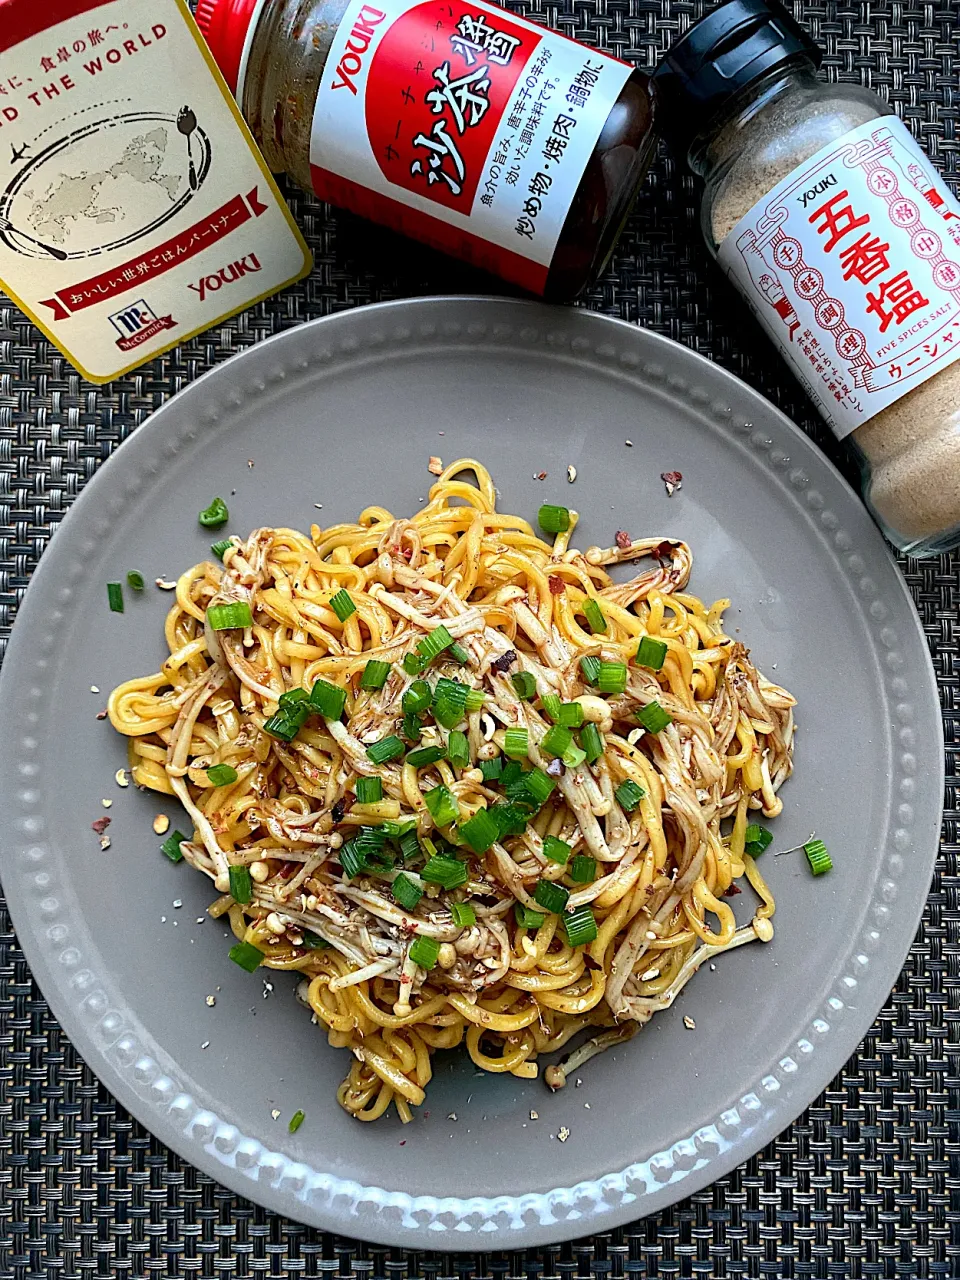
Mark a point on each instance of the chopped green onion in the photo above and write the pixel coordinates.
(394, 830)
(594, 615)
(553, 519)
(818, 857)
(459, 654)
(353, 859)
(583, 869)
(612, 677)
(424, 951)
(135, 580)
(115, 597)
(226, 617)
(329, 699)
(246, 955)
(375, 674)
(526, 917)
(410, 845)
(313, 941)
(756, 839)
(481, 830)
(551, 896)
(450, 691)
(434, 643)
(417, 697)
(342, 605)
(491, 769)
(448, 873)
(282, 726)
(412, 664)
(590, 668)
(171, 846)
(591, 739)
(296, 1120)
(511, 773)
(538, 785)
(510, 821)
(524, 684)
(573, 757)
(370, 839)
(580, 926)
(386, 749)
(556, 850)
(447, 712)
(443, 806)
(368, 790)
(474, 700)
(221, 548)
(241, 886)
(515, 743)
(653, 717)
(464, 915)
(424, 756)
(292, 697)
(222, 774)
(458, 749)
(651, 653)
(215, 515)
(551, 704)
(571, 715)
(556, 740)
(629, 795)
(406, 891)
(412, 726)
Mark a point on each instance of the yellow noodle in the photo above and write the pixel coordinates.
(509, 988)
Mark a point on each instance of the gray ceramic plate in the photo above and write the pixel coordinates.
(346, 412)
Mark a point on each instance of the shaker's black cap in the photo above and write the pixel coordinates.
(722, 54)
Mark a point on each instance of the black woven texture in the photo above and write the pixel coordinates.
(867, 1182)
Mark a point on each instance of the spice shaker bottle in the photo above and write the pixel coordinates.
(845, 243)
(459, 124)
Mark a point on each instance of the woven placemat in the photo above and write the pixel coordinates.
(867, 1182)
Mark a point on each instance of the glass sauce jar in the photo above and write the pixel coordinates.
(459, 124)
(843, 240)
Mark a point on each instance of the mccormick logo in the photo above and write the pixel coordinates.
(137, 324)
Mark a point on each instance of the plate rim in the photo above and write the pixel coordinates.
(454, 1223)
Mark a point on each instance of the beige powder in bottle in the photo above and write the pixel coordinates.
(912, 446)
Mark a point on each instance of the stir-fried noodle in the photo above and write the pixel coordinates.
(595, 881)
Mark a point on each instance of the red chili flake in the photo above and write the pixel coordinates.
(287, 869)
(101, 715)
(663, 550)
(101, 825)
(556, 584)
(407, 553)
(403, 1142)
(338, 810)
(732, 891)
(623, 539)
(673, 481)
(540, 475)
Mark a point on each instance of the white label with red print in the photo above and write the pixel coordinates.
(461, 125)
(852, 265)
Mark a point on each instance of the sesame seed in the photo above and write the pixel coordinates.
(564, 1133)
(688, 1022)
(211, 1001)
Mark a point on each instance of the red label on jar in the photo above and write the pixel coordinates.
(461, 125)
(438, 144)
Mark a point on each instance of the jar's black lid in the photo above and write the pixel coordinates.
(722, 54)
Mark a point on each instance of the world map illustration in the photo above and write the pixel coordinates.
(109, 195)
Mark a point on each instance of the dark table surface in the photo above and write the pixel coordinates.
(867, 1181)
